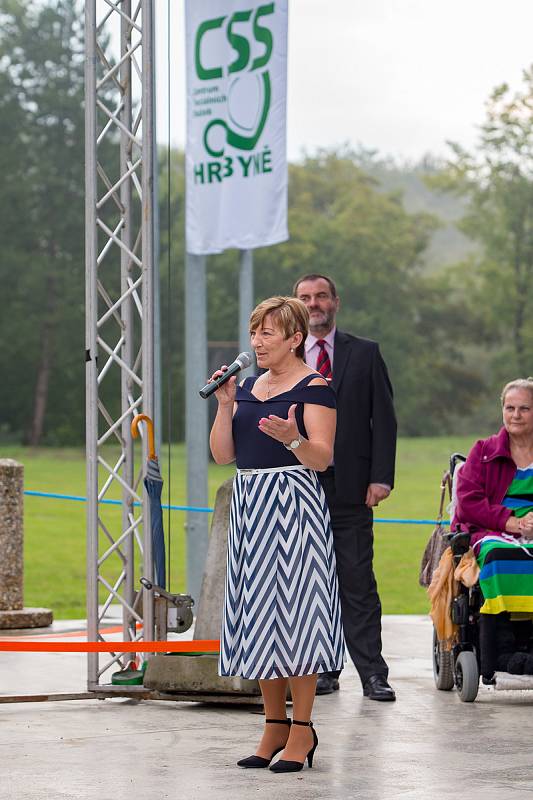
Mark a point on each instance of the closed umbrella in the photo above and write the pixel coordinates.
(154, 486)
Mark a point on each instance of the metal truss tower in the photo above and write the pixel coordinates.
(120, 204)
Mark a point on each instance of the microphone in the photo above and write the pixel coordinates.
(242, 361)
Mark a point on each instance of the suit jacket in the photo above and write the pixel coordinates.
(365, 441)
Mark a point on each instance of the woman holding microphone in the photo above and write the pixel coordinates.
(281, 622)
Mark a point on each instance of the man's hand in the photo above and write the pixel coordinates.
(375, 493)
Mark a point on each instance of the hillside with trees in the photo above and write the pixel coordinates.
(434, 260)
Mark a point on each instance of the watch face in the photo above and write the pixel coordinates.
(294, 444)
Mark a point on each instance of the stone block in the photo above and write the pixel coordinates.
(211, 603)
(26, 618)
(199, 674)
(12, 611)
(11, 534)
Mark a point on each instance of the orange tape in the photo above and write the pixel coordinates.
(195, 646)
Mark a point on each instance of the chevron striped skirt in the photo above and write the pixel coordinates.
(281, 607)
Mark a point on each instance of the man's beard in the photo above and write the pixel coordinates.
(325, 321)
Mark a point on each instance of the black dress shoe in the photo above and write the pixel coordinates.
(326, 684)
(377, 688)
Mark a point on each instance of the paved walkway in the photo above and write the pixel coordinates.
(426, 745)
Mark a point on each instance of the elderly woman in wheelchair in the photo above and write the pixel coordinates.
(494, 507)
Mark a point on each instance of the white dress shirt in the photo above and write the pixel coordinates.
(312, 350)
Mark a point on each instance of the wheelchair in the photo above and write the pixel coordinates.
(460, 667)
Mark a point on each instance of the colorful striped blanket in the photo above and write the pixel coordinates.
(519, 495)
(506, 575)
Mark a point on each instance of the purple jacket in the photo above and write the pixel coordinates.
(482, 484)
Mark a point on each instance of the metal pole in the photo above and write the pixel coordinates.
(91, 387)
(196, 419)
(119, 329)
(147, 286)
(126, 276)
(158, 393)
(246, 301)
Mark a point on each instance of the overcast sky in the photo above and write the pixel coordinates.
(399, 76)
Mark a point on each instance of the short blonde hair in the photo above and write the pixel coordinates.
(518, 383)
(289, 314)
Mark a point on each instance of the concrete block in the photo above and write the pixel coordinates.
(193, 674)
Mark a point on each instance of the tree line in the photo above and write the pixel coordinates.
(451, 333)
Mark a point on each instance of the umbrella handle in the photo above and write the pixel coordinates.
(150, 426)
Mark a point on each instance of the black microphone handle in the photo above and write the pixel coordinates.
(209, 388)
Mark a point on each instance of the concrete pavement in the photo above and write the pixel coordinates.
(426, 745)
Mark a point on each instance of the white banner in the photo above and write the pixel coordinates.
(236, 160)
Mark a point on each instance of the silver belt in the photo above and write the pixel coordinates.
(260, 471)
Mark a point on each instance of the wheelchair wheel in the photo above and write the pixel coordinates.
(442, 666)
(467, 676)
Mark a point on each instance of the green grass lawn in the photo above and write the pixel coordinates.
(55, 529)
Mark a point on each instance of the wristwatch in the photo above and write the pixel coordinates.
(294, 444)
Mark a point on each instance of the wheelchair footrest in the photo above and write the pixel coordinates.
(505, 680)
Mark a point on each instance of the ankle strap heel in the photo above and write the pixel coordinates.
(311, 753)
(296, 766)
(258, 762)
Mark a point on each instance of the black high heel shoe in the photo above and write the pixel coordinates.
(296, 766)
(258, 762)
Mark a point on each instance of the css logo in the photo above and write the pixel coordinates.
(249, 94)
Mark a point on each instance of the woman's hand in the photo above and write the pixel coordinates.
(221, 438)
(525, 526)
(226, 393)
(282, 430)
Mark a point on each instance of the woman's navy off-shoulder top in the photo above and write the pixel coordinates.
(253, 448)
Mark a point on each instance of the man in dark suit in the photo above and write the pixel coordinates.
(361, 476)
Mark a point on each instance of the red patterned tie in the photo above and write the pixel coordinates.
(323, 364)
